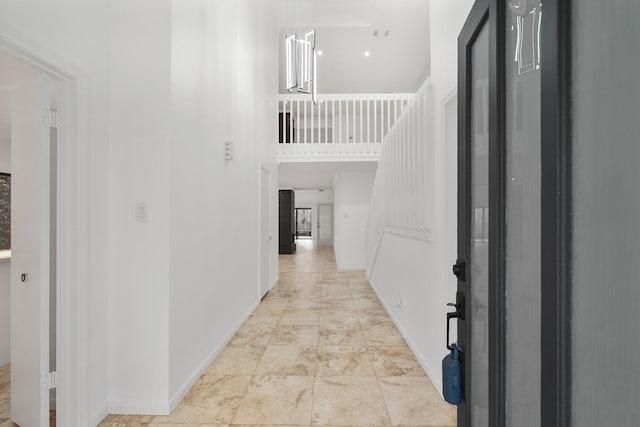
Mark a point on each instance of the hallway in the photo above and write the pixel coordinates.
(319, 350)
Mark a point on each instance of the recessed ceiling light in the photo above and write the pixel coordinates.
(367, 53)
(320, 53)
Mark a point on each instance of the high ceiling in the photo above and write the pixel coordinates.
(398, 61)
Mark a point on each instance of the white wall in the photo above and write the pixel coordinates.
(149, 349)
(75, 32)
(5, 131)
(311, 199)
(352, 198)
(185, 280)
(5, 311)
(5, 265)
(224, 82)
(419, 270)
(139, 158)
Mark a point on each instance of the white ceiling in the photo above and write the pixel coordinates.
(318, 176)
(398, 62)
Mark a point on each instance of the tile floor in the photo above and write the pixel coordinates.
(319, 350)
(5, 396)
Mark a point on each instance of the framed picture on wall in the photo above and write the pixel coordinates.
(5, 211)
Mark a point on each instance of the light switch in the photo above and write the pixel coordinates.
(141, 212)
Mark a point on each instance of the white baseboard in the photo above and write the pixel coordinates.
(184, 389)
(428, 369)
(139, 407)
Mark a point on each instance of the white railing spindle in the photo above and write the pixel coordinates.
(355, 125)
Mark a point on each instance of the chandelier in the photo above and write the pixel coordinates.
(300, 63)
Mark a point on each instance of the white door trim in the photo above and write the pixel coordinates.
(262, 234)
(73, 274)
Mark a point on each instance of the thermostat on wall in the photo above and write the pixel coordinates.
(228, 150)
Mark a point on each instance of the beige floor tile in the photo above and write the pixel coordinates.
(366, 303)
(303, 335)
(336, 292)
(310, 277)
(363, 292)
(272, 304)
(126, 420)
(382, 335)
(335, 315)
(340, 277)
(213, 399)
(340, 334)
(414, 401)
(338, 304)
(5, 408)
(276, 400)
(348, 401)
(288, 360)
(374, 317)
(237, 360)
(241, 339)
(300, 317)
(375, 310)
(344, 361)
(161, 424)
(395, 362)
(282, 292)
(261, 322)
(304, 304)
(308, 291)
(270, 425)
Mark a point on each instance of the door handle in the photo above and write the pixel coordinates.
(458, 314)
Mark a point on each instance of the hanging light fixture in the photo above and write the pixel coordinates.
(300, 63)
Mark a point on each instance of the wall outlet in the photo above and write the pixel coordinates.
(399, 303)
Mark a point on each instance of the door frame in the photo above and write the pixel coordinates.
(491, 13)
(261, 234)
(556, 207)
(73, 228)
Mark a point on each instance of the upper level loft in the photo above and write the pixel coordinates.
(348, 127)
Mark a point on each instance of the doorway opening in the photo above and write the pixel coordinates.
(303, 223)
(28, 268)
(61, 95)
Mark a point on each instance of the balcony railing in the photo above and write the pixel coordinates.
(402, 196)
(340, 127)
